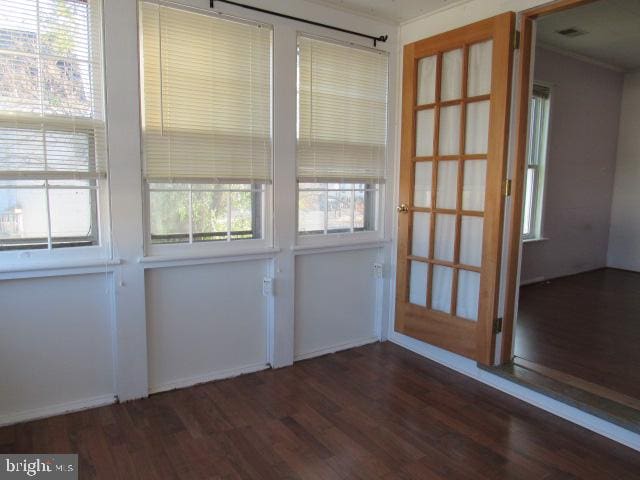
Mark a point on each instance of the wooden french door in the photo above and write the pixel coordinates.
(455, 101)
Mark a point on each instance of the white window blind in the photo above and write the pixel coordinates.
(207, 97)
(342, 112)
(51, 93)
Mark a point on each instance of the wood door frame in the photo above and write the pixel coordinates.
(523, 84)
(483, 349)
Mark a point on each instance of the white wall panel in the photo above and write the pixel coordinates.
(205, 322)
(56, 344)
(335, 301)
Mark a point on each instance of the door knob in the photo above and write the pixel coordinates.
(402, 208)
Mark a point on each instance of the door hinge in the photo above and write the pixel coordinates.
(497, 325)
(516, 40)
(507, 187)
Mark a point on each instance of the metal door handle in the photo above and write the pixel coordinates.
(402, 208)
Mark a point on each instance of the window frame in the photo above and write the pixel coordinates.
(209, 247)
(539, 168)
(206, 248)
(376, 234)
(100, 206)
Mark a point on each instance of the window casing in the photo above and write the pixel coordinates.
(53, 166)
(536, 162)
(341, 137)
(207, 128)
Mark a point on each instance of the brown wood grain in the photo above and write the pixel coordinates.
(375, 412)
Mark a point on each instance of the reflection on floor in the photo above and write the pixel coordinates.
(374, 412)
(586, 325)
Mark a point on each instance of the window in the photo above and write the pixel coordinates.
(206, 125)
(536, 162)
(52, 127)
(341, 138)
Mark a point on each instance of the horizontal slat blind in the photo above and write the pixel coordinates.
(207, 97)
(51, 90)
(342, 112)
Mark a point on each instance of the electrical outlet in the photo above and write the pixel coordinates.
(377, 270)
(267, 286)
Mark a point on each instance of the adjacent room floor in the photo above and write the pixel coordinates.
(375, 412)
(586, 325)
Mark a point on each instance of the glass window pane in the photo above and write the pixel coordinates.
(424, 133)
(70, 212)
(427, 80)
(528, 202)
(418, 283)
(340, 211)
(241, 220)
(473, 190)
(423, 183)
(23, 217)
(468, 294)
(311, 212)
(441, 291)
(447, 195)
(359, 214)
(471, 241)
(479, 82)
(451, 85)
(210, 215)
(449, 131)
(169, 212)
(445, 237)
(421, 233)
(477, 133)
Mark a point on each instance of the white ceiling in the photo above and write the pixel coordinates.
(394, 11)
(613, 32)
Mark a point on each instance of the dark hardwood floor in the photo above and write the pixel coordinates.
(375, 412)
(586, 325)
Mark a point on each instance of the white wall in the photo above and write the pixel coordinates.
(56, 344)
(624, 237)
(205, 322)
(344, 281)
(164, 322)
(583, 138)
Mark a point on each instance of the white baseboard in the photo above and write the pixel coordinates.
(53, 410)
(207, 377)
(468, 367)
(336, 348)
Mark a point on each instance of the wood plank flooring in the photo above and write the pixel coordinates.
(375, 412)
(586, 325)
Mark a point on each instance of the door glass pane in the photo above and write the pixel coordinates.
(468, 294)
(445, 237)
(480, 69)
(424, 133)
(427, 80)
(451, 85)
(475, 173)
(421, 231)
(441, 291)
(477, 137)
(418, 283)
(447, 184)
(471, 241)
(449, 131)
(422, 187)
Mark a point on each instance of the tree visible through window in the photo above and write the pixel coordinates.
(52, 152)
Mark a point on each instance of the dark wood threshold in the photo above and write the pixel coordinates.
(601, 402)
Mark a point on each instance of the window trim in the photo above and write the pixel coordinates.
(538, 209)
(333, 240)
(102, 252)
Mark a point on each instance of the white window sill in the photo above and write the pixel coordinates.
(56, 268)
(534, 240)
(156, 261)
(339, 245)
